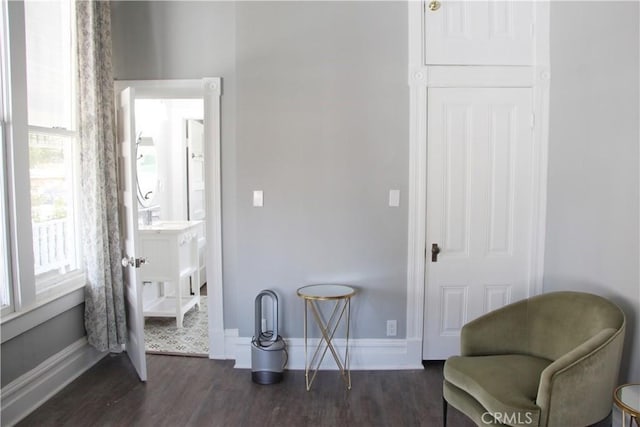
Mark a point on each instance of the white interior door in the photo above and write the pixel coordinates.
(479, 203)
(195, 169)
(478, 32)
(196, 186)
(129, 229)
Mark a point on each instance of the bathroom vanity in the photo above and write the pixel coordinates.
(171, 251)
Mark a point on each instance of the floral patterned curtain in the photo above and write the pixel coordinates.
(105, 319)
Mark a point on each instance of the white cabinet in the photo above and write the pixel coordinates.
(478, 32)
(171, 252)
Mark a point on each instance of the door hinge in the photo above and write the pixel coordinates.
(533, 120)
(533, 30)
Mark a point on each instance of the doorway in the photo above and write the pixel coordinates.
(207, 92)
(173, 129)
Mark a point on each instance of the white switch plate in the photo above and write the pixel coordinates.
(394, 198)
(392, 328)
(258, 198)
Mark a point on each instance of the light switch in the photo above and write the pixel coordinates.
(258, 198)
(394, 198)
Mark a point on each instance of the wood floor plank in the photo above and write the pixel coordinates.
(189, 391)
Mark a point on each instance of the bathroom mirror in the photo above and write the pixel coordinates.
(146, 170)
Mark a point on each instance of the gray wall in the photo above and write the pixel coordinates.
(322, 129)
(593, 193)
(28, 350)
(315, 114)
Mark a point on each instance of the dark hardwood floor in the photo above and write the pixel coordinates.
(189, 391)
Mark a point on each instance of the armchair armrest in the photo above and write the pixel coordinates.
(576, 389)
(502, 331)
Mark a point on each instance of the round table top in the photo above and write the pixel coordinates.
(627, 397)
(325, 292)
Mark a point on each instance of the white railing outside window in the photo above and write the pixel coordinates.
(53, 246)
(53, 206)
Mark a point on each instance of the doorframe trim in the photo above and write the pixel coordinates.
(210, 90)
(420, 78)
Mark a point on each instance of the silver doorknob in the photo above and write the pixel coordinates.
(133, 262)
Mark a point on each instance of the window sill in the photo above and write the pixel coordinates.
(48, 305)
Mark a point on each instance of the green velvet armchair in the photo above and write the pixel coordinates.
(548, 361)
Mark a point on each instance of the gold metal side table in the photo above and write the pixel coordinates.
(627, 398)
(341, 296)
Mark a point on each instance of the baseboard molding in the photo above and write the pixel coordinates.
(226, 350)
(364, 354)
(27, 392)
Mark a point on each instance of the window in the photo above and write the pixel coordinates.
(39, 183)
(51, 105)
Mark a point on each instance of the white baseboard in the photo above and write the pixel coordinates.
(27, 392)
(228, 339)
(364, 354)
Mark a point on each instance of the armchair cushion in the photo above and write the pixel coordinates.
(503, 384)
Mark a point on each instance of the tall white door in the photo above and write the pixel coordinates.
(478, 32)
(195, 169)
(479, 203)
(129, 230)
(196, 186)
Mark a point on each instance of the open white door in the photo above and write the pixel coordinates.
(195, 169)
(129, 231)
(196, 202)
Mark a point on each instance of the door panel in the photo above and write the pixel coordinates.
(479, 32)
(479, 198)
(129, 230)
(196, 186)
(195, 169)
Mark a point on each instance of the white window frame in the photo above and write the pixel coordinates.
(47, 284)
(30, 308)
(3, 181)
(4, 244)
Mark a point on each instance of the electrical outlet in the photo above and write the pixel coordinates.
(392, 328)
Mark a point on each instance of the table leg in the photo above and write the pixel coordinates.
(346, 351)
(328, 330)
(306, 363)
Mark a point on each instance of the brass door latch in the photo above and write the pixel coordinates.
(435, 250)
(434, 5)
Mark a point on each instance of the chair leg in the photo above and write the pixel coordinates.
(444, 412)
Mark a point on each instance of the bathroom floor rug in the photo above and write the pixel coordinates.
(162, 336)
